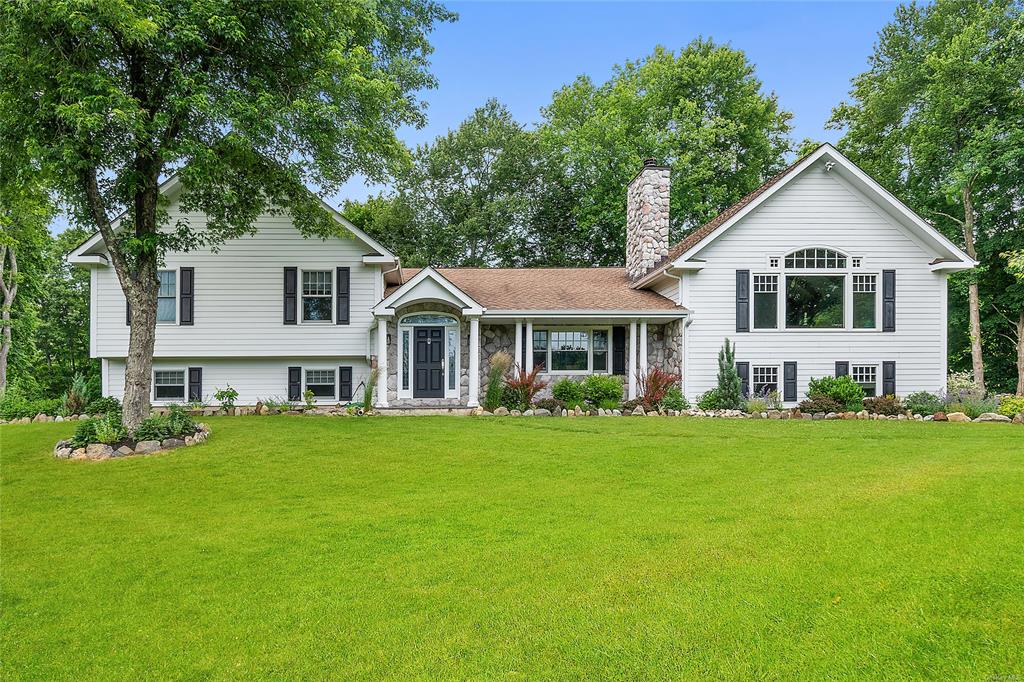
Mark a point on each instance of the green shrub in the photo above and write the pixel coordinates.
(226, 397)
(820, 403)
(602, 388)
(109, 429)
(756, 405)
(14, 404)
(85, 433)
(923, 402)
(500, 363)
(730, 388)
(82, 391)
(972, 405)
(1011, 405)
(888, 405)
(568, 391)
(103, 405)
(711, 400)
(610, 404)
(675, 400)
(153, 428)
(844, 390)
(180, 422)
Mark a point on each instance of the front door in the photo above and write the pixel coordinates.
(428, 359)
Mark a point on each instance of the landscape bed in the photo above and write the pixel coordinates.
(435, 547)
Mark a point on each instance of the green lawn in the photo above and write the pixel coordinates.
(523, 548)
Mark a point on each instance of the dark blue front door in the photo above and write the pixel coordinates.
(428, 363)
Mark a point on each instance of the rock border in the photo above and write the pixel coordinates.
(102, 451)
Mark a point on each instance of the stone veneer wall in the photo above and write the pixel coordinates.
(663, 342)
(647, 209)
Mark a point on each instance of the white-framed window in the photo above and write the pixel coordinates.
(169, 384)
(317, 296)
(817, 259)
(167, 296)
(856, 261)
(773, 262)
(452, 350)
(867, 377)
(564, 350)
(766, 301)
(322, 383)
(764, 379)
(865, 301)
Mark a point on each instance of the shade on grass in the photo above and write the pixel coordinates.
(520, 548)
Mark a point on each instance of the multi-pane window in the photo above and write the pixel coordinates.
(317, 293)
(867, 377)
(569, 350)
(773, 262)
(865, 296)
(600, 350)
(540, 348)
(766, 301)
(765, 380)
(169, 384)
(320, 382)
(825, 259)
(855, 262)
(167, 296)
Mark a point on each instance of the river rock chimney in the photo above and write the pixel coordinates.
(647, 201)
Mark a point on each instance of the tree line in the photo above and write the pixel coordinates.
(250, 108)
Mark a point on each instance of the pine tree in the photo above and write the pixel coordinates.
(730, 390)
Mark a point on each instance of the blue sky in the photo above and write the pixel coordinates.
(521, 52)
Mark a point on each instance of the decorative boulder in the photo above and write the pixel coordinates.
(78, 453)
(992, 417)
(957, 417)
(146, 446)
(476, 411)
(123, 451)
(1019, 419)
(98, 451)
(541, 412)
(939, 417)
(638, 411)
(501, 412)
(171, 443)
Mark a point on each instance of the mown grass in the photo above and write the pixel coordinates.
(519, 548)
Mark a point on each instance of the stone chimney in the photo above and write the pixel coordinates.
(646, 219)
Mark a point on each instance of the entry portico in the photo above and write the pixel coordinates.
(437, 332)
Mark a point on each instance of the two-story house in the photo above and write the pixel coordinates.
(819, 271)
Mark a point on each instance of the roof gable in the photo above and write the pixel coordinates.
(682, 255)
(428, 285)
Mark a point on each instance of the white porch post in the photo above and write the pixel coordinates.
(518, 354)
(529, 345)
(643, 349)
(382, 362)
(474, 362)
(631, 362)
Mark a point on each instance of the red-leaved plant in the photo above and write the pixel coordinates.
(654, 385)
(521, 387)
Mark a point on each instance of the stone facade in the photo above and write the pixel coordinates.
(664, 342)
(647, 210)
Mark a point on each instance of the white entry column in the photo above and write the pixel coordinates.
(631, 362)
(382, 362)
(474, 362)
(518, 354)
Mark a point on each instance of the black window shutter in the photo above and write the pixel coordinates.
(789, 381)
(291, 286)
(344, 297)
(743, 369)
(127, 313)
(522, 351)
(294, 383)
(743, 300)
(187, 295)
(619, 351)
(842, 368)
(888, 300)
(195, 384)
(889, 378)
(344, 383)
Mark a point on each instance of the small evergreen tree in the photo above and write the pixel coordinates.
(730, 389)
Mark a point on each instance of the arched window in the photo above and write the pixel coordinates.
(824, 259)
(429, 318)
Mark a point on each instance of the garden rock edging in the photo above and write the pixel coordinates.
(101, 451)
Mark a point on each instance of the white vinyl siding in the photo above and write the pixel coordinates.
(239, 294)
(254, 378)
(817, 209)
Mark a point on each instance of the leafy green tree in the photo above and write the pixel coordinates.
(246, 100)
(938, 118)
(470, 192)
(701, 111)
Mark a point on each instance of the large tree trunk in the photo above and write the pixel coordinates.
(974, 299)
(138, 374)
